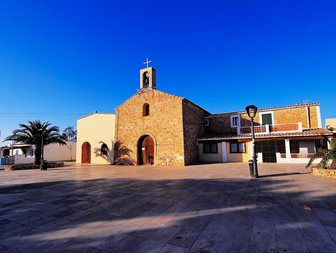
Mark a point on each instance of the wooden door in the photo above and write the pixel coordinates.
(86, 152)
(269, 151)
(147, 148)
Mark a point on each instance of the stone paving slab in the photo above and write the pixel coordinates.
(195, 209)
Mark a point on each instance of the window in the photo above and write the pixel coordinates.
(210, 148)
(235, 120)
(237, 147)
(145, 110)
(266, 118)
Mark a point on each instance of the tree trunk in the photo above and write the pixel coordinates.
(37, 156)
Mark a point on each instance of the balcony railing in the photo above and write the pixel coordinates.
(266, 129)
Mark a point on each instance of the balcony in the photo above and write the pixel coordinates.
(266, 129)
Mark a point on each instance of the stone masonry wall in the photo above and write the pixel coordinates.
(193, 128)
(295, 115)
(320, 172)
(164, 124)
(221, 123)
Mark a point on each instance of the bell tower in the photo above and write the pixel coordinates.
(148, 76)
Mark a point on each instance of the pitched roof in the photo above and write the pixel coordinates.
(317, 132)
(201, 108)
(95, 113)
(145, 90)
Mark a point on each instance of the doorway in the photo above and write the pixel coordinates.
(268, 150)
(146, 150)
(86, 152)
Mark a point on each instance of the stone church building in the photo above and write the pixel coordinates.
(157, 128)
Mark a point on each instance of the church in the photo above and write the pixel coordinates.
(152, 127)
(157, 128)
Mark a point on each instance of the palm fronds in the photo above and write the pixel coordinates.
(327, 155)
(37, 133)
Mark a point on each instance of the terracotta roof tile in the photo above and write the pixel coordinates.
(304, 133)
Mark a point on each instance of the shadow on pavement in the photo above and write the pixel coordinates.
(189, 215)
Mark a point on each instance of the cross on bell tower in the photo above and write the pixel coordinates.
(148, 76)
(147, 62)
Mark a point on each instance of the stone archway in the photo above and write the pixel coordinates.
(146, 150)
(86, 152)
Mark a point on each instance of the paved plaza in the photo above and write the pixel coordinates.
(204, 208)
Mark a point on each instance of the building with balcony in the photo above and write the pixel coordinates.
(288, 134)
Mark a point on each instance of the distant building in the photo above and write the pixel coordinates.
(25, 153)
(331, 124)
(158, 128)
(288, 134)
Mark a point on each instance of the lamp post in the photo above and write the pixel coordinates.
(41, 162)
(251, 112)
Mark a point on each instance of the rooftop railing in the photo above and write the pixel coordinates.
(266, 129)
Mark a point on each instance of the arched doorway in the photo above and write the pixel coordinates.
(86, 152)
(146, 150)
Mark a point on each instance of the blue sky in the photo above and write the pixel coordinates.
(60, 60)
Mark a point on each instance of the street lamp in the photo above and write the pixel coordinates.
(42, 158)
(251, 112)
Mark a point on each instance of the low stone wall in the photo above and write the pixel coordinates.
(320, 172)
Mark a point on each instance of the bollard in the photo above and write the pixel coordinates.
(251, 168)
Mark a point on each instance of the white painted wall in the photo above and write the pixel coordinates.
(224, 152)
(94, 129)
(294, 160)
(210, 157)
(22, 159)
(16, 151)
(56, 152)
(52, 152)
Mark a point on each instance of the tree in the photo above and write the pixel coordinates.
(37, 133)
(70, 134)
(326, 155)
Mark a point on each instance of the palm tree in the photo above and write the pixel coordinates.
(326, 155)
(37, 133)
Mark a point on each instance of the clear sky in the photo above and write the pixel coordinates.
(60, 60)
